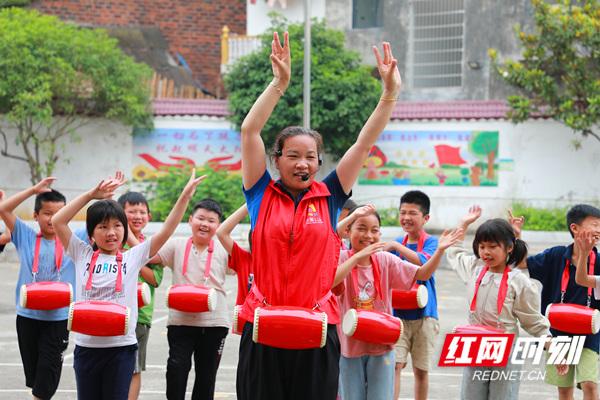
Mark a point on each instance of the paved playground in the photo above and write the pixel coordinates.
(444, 382)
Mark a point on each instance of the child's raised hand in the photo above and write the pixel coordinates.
(1, 195)
(364, 211)
(472, 215)
(391, 246)
(448, 238)
(281, 61)
(107, 187)
(388, 70)
(370, 249)
(516, 222)
(192, 184)
(43, 186)
(585, 241)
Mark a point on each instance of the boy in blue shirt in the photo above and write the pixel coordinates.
(42, 335)
(421, 326)
(548, 267)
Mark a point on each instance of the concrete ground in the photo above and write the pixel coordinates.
(444, 382)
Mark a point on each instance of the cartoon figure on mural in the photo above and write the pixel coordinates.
(434, 158)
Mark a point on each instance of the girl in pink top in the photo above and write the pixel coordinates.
(364, 280)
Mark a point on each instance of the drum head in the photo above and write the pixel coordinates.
(595, 322)
(255, 325)
(23, 296)
(70, 319)
(422, 296)
(234, 325)
(350, 322)
(213, 299)
(146, 294)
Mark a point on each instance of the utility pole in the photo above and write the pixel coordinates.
(306, 91)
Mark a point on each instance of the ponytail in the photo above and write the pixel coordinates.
(518, 253)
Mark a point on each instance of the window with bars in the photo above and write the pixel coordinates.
(367, 14)
(437, 31)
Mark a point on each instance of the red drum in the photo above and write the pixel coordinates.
(372, 326)
(238, 322)
(144, 296)
(191, 298)
(476, 329)
(573, 318)
(46, 295)
(410, 299)
(98, 318)
(289, 327)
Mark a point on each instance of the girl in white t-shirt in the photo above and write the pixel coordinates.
(364, 280)
(104, 364)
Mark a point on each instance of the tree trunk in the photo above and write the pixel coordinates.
(490, 165)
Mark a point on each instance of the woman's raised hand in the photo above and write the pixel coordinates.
(388, 70)
(281, 61)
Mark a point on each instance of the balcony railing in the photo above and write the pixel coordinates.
(234, 46)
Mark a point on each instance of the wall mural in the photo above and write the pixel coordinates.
(430, 158)
(156, 151)
(434, 158)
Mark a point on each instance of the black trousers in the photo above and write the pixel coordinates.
(269, 373)
(41, 344)
(206, 345)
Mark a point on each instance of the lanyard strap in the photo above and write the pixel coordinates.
(118, 284)
(186, 258)
(58, 254)
(376, 276)
(420, 243)
(502, 291)
(565, 278)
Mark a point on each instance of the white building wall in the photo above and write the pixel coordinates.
(257, 14)
(102, 148)
(547, 170)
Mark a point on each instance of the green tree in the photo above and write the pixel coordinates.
(56, 77)
(559, 71)
(14, 3)
(219, 185)
(343, 92)
(485, 146)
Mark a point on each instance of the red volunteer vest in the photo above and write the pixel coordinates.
(294, 252)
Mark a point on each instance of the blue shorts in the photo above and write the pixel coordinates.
(104, 373)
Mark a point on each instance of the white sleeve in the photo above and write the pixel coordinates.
(139, 255)
(462, 262)
(77, 249)
(526, 308)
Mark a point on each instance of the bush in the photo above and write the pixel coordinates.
(542, 219)
(389, 216)
(219, 185)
